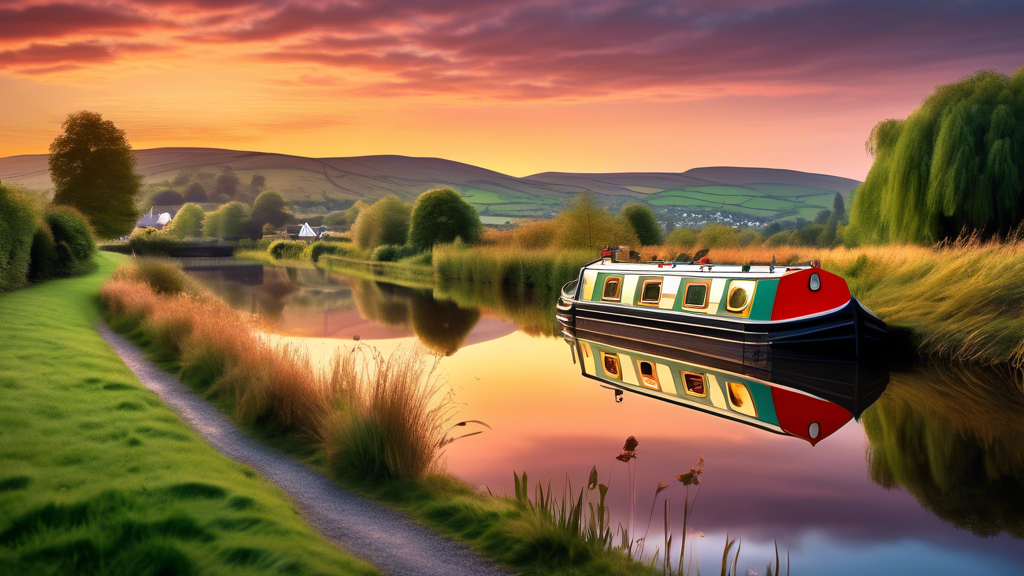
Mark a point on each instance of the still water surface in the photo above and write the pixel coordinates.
(928, 482)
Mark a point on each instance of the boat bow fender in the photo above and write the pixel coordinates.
(809, 291)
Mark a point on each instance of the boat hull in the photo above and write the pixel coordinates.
(836, 355)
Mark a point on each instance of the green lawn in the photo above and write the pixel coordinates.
(97, 476)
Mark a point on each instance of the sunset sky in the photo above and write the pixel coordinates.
(518, 86)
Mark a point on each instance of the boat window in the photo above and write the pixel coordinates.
(650, 294)
(740, 296)
(695, 384)
(649, 375)
(612, 288)
(610, 363)
(696, 295)
(740, 399)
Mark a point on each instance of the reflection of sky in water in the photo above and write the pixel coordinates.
(819, 502)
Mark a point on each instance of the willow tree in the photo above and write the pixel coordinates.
(953, 165)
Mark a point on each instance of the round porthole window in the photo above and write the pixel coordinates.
(737, 299)
(814, 283)
(813, 430)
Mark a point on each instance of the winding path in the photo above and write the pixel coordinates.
(386, 538)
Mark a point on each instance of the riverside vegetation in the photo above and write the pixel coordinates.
(100, 477)
(376, 424)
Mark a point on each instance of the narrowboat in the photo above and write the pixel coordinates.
(793, 325)
(765, 405)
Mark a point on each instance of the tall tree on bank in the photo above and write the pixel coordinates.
(953, 165)
(93, 169)
(441, 216)
(644, 223)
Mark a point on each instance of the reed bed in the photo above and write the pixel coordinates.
(398, 406)
(544, 270)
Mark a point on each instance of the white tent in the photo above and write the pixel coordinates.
(306, 231)
(164, 218)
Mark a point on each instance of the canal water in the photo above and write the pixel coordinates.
(927, 482)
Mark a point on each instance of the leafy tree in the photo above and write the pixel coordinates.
(682, 237)
(384, 222)
(168, 198)
(953, 164)
(270, 208)
(644, 223)
(809, 235)
(195, 193)
(183, 178)
(18, 223)
(228, 221)
(717, 236)
(93, 170)
(585, 224)
(227, 183)
(258, 181)
(440, 216)
(188, 222)
(822, 216)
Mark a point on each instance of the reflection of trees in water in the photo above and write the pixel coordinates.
(951, 438)
(531, 311)
(441, 326)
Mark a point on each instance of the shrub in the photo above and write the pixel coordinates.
(187, 223)
(269, 208)
(228, 221)
(682, 237)
(161, 275)
(808, 235)
(73, 238)
(392, 253)
(314, 251)
(441, 216)
(644, 223)
(18, 222)
(43, 260)
(779, 239)
(286, 249)
(385, 222)
(717, 236)
(539, 234)
(584, 224)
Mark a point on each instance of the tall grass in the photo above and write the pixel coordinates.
(544, 270)
(370, 413)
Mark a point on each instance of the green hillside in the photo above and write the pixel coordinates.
(319, 185)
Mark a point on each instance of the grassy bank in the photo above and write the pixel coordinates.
(375, 424)
(97, 476)
(403, 273)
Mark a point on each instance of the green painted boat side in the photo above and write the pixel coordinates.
(759, 391)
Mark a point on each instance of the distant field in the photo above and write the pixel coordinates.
(319, 185)
(763, 200)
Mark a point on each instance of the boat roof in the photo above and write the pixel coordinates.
(712, 270)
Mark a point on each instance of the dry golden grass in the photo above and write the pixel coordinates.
(226, 354)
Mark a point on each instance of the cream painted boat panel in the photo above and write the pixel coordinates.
(715, 391)
(628, 288)
(669, 289)
(668, 384)
(715, 298)
(589, 280)
(628, 369)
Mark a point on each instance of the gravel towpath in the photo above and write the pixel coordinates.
(385, 538)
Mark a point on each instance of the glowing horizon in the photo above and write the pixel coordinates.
(517, 87)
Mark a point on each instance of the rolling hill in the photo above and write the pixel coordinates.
(317, 185)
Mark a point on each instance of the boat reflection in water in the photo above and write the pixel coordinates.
(627, 365)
